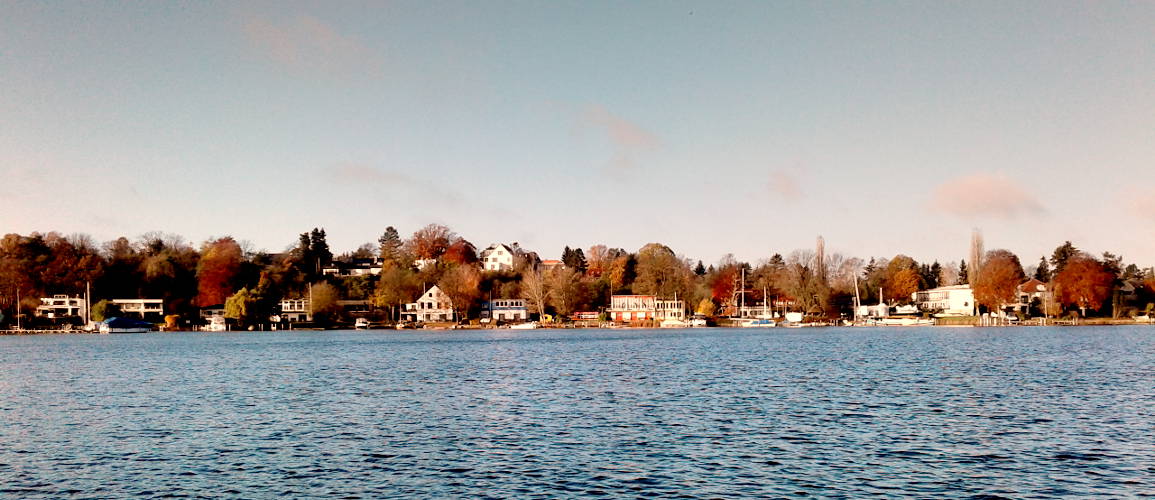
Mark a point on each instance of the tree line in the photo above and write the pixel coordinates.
(222, 272)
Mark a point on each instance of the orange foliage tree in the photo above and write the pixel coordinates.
(902, 279)
(431, 241)
(1083, 282)
(218, 267)
(997, 284)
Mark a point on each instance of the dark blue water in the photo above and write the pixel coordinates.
(1016, 413)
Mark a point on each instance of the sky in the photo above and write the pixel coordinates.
(748, 128)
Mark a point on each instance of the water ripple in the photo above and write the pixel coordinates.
(840, 413)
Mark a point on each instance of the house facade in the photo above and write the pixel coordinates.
(293, 310)
(955, 300)
(433, 305)
(505, 310)
(60, 306)
(356, 267)
(637, 308)
(147, 309)
(498, 257)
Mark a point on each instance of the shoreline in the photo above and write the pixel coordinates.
(1056, 324)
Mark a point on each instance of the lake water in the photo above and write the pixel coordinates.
(1016, 413)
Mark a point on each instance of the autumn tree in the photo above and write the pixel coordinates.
(219, 263)
(324, 303)
(460, 283)
(622, 272)
(1083, 282)
(461, 252)
(660, 272)
(395, 286)
(705, 307)
(598, 260)
(902, 279)
(566, 290)
(998, 284)
(430, 242)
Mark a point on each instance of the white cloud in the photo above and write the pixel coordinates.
(985, 195)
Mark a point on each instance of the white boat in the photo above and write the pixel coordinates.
(532, 325)
(698, 322)
(216, 324)
(675, 323)
(361, 324)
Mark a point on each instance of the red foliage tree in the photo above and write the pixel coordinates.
(218, 267)
(461, 251)
(723, 284)
(1083, 282)
(997, 283)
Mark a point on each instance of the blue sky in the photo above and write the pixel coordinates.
(713, 127)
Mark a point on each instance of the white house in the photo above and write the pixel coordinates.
(505, 310)
(355, 267)
(433, 305)
(60, 306)
(955, 300)
(498, 257)
(141, 308)
(633, 308)
(296, 310)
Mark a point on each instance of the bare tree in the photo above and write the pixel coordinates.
(534, 290)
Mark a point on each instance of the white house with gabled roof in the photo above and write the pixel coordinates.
(498, 257)
(433, 305)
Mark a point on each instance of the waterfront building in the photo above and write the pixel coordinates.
(505, 310)
(207, 313)
(147, 309)
(433, 305)
(636, 308)
(293, 310)
(955, 300)
(498, 257)
(60, 306)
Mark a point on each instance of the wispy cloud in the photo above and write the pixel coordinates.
(308, 43)
(785, 185)
(627, 138)
(368, 176)
(985, 195)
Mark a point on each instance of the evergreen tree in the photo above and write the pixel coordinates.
(574, 259)
(869, 269)
(390, 245)
(1043, 272)
(777, 262)
(320, 248)
(1061, 255)
(931, 274)
(963, 275)
(700, 269)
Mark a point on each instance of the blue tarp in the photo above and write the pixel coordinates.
(126, 323)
